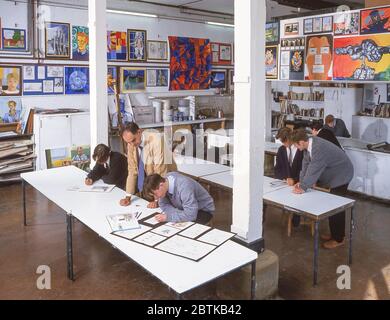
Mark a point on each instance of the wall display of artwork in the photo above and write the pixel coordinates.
(14, 39)
(10, 110)
(58, 157)
(76, 80)
(112, 79)
(375, 20)
(221, 53)
(43, 80)
(157, 77)
(137, 45)
(319, 57)
(362, 58)
(80, 43)
(157, 50)
(346, 23)
(81, 157)
(116, 46)
(271, 62)
(190, 63)
(132, 79)
(291, 29)
(318, 25)
(57, 40)
(218, 79)
(297, 70)
(10, 81)
(292, 53)
(271, 33)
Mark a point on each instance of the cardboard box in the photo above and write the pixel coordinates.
(143, 115)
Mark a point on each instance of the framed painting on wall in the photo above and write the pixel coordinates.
(346, 23)
(157, 50)
(291, 29)
(218, 79)
(271, 62)
(308, 26)
(137, 45)
(116, 46)
(37, 80)
(57, 40)
(388, 92)
(14, 39)
(375, 20)
(10, 110)
(221, 53)
(10, 81)
(157, 77)
(319, 57)
(271, 33)
(132, 79)
(80, 43)
(112, 79)
(76, 80)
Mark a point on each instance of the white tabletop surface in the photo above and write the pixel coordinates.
(197, 167)
(92, 208)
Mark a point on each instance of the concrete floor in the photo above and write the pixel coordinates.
(104, 273)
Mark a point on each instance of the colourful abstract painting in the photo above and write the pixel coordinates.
(362, 58)
(116, 46)
(76, 80)
(190, 63)
(318, 62)
(375, 20)
(271, 62)
(14, 39)
(80, 43)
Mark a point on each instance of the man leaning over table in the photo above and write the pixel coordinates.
(328, 166)
(146, 155)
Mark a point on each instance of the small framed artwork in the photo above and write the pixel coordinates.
(375, 20)
(218, 79)
(14, 39)
(291, 29)
(157, 50)
(76, 80)
(307, 26)
(137, 45)
(388, 93)
(57, 40)
(327, 24)
(285, 58)
(116, 46)
(271, 62)
(10, 80)
(132, 79)
(225, 53)
(284, 72)
(317, 25)
(80, 43)
(37, 80)
(112, 79)
(157, 77)
(272, 32)
(231, 81)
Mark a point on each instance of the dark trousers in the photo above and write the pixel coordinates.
(203, 217)
(337, 221)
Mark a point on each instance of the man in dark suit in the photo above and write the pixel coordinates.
(288, 162)
(110, 166)
(319, 131)
(327, 166)
(337, 126)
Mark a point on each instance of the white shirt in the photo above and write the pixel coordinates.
(171, 185)
(310, 147)
(293, 151)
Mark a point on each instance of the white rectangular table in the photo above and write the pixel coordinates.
(197, 168)
(313, 204)
(91, 209)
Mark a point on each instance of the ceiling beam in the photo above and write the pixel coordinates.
(307, 4)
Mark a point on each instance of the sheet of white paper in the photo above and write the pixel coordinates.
(185, 247)
(123, 221)
(166, 231)
(131, 234)
(194, 231)
(41, 73)
(180, 225)
(152, 221)
(216, 237)
(150, 239)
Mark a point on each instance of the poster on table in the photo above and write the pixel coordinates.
(190, 63)
(80, 43)
(375, 20)
(116, 46)
(10, 80)
(43, 80)
(76, 80)
(319, 57)
(362, 58)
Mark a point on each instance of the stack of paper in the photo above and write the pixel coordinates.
(123, 222)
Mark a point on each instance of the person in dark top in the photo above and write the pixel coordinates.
(110, 166)
(288, 162)
(337, 126)
(319, 131)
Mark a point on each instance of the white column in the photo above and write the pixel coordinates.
(249, 115)
(98, 71)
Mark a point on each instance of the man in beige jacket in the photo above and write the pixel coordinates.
(146, 155)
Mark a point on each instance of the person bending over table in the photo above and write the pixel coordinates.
(146, 156)
(318, 130)
(110, 166)
(288, 163)
(180, 198)
(337, 126)
(328, 166)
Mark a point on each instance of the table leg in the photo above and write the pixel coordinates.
(253, 281)
(24, 203)
(316, 247)
(352, 227)
(69, 246)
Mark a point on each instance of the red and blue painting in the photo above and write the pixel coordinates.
(190, 64)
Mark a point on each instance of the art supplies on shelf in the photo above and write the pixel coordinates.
(123, 221)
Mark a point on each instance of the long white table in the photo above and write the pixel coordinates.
(197, 168)
(315, 205)
(91, 209)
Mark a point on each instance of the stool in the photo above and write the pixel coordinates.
(289, 224)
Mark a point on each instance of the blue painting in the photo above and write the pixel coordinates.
(133, 79)
(112, 79)
(43, 80)
(218, 79)
(10, 110)
(137, 45)
(76, 80)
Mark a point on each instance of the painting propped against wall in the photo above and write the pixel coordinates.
(362, 58)
(190, 63)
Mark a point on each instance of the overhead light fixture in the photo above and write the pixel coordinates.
(148, 15)
(221, 24)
